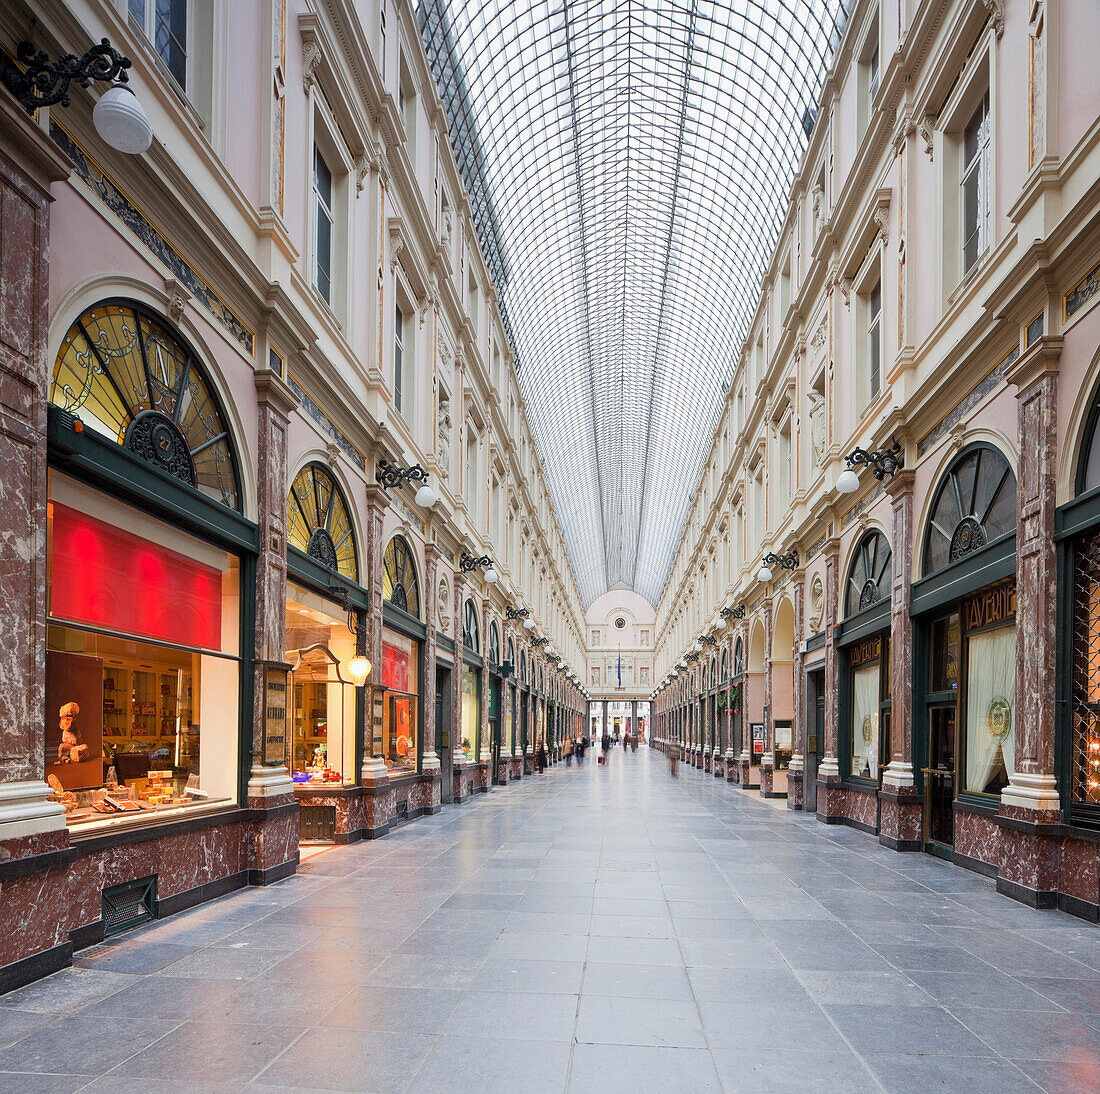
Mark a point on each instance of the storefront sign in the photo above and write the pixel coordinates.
(870, 649)
(275, 716)
(758, 739)
(990, 606)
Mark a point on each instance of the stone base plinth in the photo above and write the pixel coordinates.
(794, 790)
(900, 818)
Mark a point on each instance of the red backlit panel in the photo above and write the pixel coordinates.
(395, 668)
(107, 577)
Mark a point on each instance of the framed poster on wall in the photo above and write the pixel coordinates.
(758, 738)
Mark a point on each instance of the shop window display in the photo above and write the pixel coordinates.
(471, 710)
(319, 647)
(399, 720)
(142, 663)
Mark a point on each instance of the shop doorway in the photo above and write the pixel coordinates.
(443, 747)
(939, 781)
(815, 736)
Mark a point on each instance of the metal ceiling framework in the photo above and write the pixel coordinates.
(628, 163)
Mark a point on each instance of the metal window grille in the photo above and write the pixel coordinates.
(1085, 758)
(317, 822)
(127, 905)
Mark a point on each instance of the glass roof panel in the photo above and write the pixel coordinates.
(627, 163)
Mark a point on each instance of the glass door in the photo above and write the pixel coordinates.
(939, 781)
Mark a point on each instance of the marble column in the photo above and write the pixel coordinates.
(374, 772)
(900, 826)
(767, 761)
(484, 753)
(269, 786)
(797, 766)
(1028, 862)
(459, 759)
(830, 797)
(430, 764)
(29, 162)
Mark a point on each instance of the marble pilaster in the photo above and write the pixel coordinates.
(796, 768)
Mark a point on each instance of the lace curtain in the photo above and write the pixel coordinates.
(865, 717)
(990, 709)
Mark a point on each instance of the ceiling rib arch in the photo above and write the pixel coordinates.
(628, 164)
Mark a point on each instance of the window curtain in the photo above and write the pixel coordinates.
(865, 711)
(990, 706)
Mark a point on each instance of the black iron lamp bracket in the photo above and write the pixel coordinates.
(536, 642)
(43, 82)
(691, 657)
(516, 613)
(708, 640)
(391, 476)
(357, 620)
(733, 613)
(785, 562)
(469, 563)
(882, 461)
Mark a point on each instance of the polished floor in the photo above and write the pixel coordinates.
(601, 929)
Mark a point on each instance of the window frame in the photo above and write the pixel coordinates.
(148, 28)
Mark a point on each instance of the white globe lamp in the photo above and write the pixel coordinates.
(121, 122)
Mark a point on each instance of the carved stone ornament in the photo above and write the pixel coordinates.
(178, 298)
(817, 602)
(443, 603)
(322, 549)
(819, 337)
(925, 129)
(844, 284)
(881, 217)
(817, 427)
(397, 247)
(311, 58)
(363, 166)
(996, 9)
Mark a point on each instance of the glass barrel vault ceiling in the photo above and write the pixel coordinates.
(628, 163)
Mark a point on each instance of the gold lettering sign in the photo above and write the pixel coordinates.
(870, 649)
(275, 716)
(991, 606)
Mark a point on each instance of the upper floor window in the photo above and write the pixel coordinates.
(165, 23)
(874, 338)
(322, 200)
(398, 358)
(975, 185)
(872, 75)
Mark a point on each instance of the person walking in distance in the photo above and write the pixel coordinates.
(673, 759)
(540, 756)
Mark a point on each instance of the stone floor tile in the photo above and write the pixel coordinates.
(660, 1023)
(792, 1070)
(600, 1069)
(77, 1045)
(907, 1074)
(531, 1016)
(493, 1066)
(931, 1030)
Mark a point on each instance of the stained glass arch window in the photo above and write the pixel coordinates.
(725, 665)
(974, 504)
(319, 521)
(738, 658)
(400, 586)
(129, 375)
(471, 634)
(522, 667)
(494, 644)
(870, 574)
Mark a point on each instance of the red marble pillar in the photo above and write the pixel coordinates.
(270, 790)
(430, 766)
(830, 797)
(1028, 861)
(459, 759)
(767, 761)
(900, 824)
(484, 756)
(796, 769)
(29, 162)
(379, 804)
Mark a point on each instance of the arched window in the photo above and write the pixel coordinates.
(725, 665)
(400, 586)
(471, 636)
(1084, 796)
(738, 658)
(494, 644)
(127, 374)
(512, 654)
(319, 523)
(975, 504)
(870, 574)
(522, 667)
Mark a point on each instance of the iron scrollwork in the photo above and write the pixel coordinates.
(882, 462)
(43, 82)
(391, 476)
